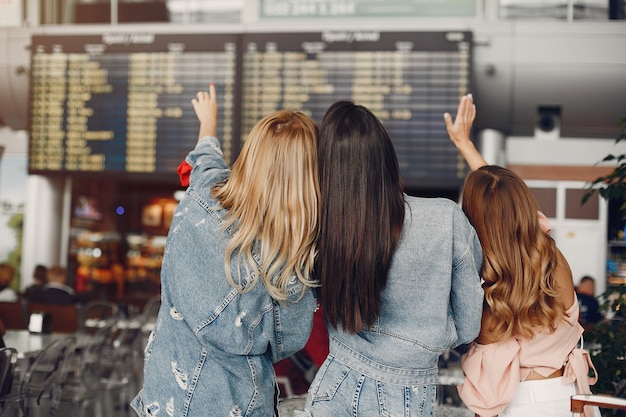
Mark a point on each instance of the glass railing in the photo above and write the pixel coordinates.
(65, 12)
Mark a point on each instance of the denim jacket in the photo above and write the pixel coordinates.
(432, 302)
(212, 349)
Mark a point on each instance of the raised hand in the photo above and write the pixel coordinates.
(205, 106)
(459, 132)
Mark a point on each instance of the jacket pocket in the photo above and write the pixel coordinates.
(137, 404)
(328, 380)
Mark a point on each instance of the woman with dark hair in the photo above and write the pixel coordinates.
(525, 362)
(40, 277)
(399, 276)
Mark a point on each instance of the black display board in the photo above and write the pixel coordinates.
(120, 104)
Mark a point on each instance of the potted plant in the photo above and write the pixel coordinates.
(613, 185)
(607, 344)
(607, 340)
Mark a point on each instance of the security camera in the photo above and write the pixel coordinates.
(548, 124)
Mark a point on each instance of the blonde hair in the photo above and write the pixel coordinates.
(57, 274)
(520, 260)
(272, 201)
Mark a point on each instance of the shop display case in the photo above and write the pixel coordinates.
(143, 263)
(616, 262)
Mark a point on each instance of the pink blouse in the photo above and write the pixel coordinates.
(494, 371)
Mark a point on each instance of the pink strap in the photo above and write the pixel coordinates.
(577, 370)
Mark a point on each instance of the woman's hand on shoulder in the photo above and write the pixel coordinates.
(205, 106)
(544, 223)
(564, 280)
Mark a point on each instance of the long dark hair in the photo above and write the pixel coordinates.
(362, 213)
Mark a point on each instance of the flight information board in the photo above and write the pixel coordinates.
(121, 103)
(407, 79)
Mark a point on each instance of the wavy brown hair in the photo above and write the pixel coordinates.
(362, 214)
(272, 201)
(520, 260)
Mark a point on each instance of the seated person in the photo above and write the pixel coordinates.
(55, 291)
(40, 274)
(7, 272)
(589, 306)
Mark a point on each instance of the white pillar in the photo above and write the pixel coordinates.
(43, 225)
(491, 10)
(491, 145)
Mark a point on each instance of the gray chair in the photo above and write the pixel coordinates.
(96, 314)
(41, 386)
(101, 377)
(150, 312)
(8, 359)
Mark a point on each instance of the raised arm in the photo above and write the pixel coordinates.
(459, 132)
(205, 106)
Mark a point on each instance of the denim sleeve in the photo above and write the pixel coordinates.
(467, 294)
(206, 160)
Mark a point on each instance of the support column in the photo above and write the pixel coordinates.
(44, 222)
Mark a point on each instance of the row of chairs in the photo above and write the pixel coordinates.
(89, 372)
(77, 376)
(54, 379)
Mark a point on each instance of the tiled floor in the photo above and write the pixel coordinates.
(288, 406)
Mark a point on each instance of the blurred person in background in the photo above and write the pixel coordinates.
(7, 273)
(56, 290)
(40, 278)
(589, 306)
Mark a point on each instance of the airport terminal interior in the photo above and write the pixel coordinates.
(96, 116)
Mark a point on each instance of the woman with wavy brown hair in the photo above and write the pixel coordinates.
(525, 361)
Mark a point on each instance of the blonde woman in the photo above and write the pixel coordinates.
(525, 361)
(236, 277)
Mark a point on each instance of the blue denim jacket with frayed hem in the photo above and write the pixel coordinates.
(432, 302)
(212, 349)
